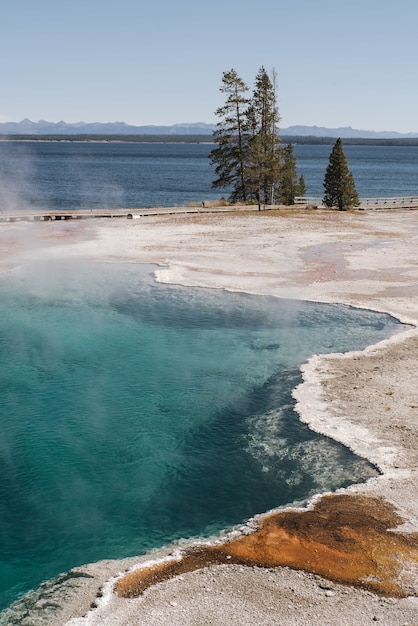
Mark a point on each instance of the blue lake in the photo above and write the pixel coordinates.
(66, 175)
(132, 413)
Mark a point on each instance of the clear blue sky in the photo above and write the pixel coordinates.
(161, 61)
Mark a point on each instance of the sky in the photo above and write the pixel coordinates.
(338, 63)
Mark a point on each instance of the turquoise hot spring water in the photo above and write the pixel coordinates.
(133, 413)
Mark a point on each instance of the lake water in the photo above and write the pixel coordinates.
(66, 175)
(133, 413)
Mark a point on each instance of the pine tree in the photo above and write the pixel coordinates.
(288, 177)
(301, 187)
(339, 186)
(248, 156)
(264, 158)
(231, 138)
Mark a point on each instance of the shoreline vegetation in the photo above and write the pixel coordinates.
(286, 139)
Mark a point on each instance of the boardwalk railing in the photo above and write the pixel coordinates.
(400, 201)
(367, 203)
(28, 215)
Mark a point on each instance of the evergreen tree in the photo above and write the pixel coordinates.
(339, 186)
(288, 177)
(264, 148)
(231, 138)
(301, 186)
(248, 155)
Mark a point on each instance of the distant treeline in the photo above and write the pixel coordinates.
(406, 141)
(354, 141)
(112, 138)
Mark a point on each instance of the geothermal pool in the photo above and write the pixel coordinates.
(133, 413)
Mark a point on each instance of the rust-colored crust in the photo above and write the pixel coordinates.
(348, 539)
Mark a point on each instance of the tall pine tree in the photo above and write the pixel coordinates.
(339, 186)
(264, 157)
(248, 152)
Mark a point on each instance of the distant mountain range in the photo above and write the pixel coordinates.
(27, 127)
(345, 132)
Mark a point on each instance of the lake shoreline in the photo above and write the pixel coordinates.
(366, 400)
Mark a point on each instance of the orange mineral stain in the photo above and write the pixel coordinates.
(348, 539)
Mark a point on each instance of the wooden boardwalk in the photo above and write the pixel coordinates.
(33, 215)
(27, 215)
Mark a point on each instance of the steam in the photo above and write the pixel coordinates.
(17, 177)
(46, 178)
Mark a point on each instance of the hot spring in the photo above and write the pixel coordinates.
(133, 413)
